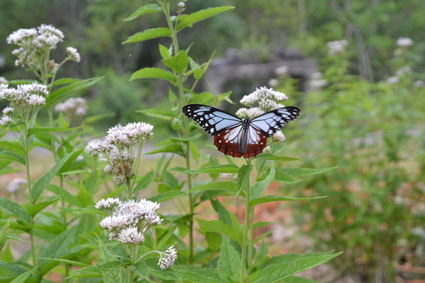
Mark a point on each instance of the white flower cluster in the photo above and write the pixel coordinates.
(266, 98)
(317, 82)
(16, 184)
(118, 146)
(75, 106)
(403, 70)
(404, 42)
(168, 258)
(35, 43)
(22, 98)
(336, 47)
(393, 80)
(129, 220)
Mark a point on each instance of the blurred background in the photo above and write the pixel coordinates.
(355, 68)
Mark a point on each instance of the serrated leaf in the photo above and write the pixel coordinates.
(283, 266)
(67, 90)
(33, 131)
(172, 148)
(145, 181)
(177, 63)
(87, 272)
(243, 178)
(258, 188)
(168, 195)
(305, 171)
(39, 206)
(229, 262)
(15, 209)
(188, 20)
(193, 273)
(270, 156)
(41, 183)
(153, 73)
(278, 198)
(284, 178)
(13, 146)
(148, 34)
(214, 169)
(220, 227)
(230, 186)
(147, 9)
(12, 156)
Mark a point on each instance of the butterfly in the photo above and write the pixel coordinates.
(237, 137)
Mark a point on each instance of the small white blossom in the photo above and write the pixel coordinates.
(168, 258)
(16, 184)
(267, 99)
(419, 84)
(36, 100)
(7, 110)
(3, 80)
(404, 42)
(279, 136)
(131, 236)
(249, 112)
(181, 5)
(337, 47)
(403, 70)
(317, 84)
(6, 120)
(92, 147)
(73, 54)
(393, 80)
(73, 105)
(108, 204)
(21, 36)
(112, 223)
(273, 82)
(281, 71)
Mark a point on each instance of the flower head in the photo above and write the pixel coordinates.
(16, 184)
(108, 205)
(73, 106)
(266, 98)
(73, 54)
(25, 96)
(336, 47)
(404, 42)
(393, 80)
(168, 258)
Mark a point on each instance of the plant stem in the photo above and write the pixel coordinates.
(247, 235)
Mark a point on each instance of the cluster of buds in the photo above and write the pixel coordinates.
(130, 221)
(118, 148)
(23, 98)
(267, 99)
(317, 81)
(336, 47)
(35, 45)
(73, 108)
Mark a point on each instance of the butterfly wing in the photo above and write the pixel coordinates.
(230, 141)
(212, 120)
(272, 121)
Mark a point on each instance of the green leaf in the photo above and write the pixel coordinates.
(82, 210)
(194, 150)
(270, 156)
(23, 277)
(41, 183)
(214, 240)
(220, 227)
(163, 114)
(305, 171)
(3, 233)
(145, 181)
(278, 198)
(153, 73)
(33, 131)
(165, 53)
(178, 63)
(283, 266)
(147, 9)
(191, 273)
(229, 262)
(188, 20)
(296, 279)
(39, 206)
(214, 169)
(65, 91)
(243, 178)
(12, 156)
(168, 195)
(284, 178)
(87, 272)
(13, 146)
(172, 148)
(15, 209)
(258, 188)
(229, 186)
(148, 34)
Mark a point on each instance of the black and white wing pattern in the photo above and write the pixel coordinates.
(236, 137)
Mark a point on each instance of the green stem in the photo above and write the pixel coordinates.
(247, 235)
(186, 132)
